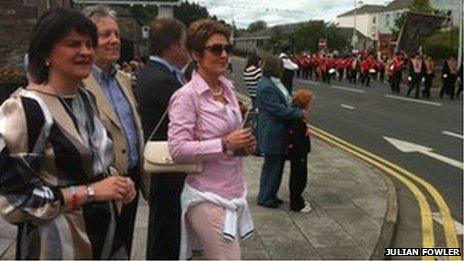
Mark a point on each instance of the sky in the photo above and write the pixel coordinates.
(274, 12)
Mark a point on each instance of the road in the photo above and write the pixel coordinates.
(368, 116)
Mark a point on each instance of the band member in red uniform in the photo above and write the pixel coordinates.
(340, 65)
(395, 72)
(366, 70)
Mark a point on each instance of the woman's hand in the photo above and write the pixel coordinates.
(251, 149)
(132, 193)
(240, 139)
(117, 188)
(308, 133)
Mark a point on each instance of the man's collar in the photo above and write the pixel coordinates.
(99, 74)
(162, 61)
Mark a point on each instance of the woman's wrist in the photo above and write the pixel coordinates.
(225, 145)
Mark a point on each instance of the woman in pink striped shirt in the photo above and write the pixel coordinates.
(206, 126)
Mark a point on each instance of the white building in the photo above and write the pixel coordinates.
(365, 19)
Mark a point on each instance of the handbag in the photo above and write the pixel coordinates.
(157, 158)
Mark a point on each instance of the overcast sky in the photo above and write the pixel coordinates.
(274, 12)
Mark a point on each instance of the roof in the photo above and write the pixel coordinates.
(365, 9)
(399, 4)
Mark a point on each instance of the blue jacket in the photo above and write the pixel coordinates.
(273, 112)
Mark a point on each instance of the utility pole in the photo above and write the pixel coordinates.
(354, 39)
(460, 37)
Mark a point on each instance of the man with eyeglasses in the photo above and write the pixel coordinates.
(156, 82)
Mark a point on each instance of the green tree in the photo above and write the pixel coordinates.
(277, 39)
(144, 14)
(441, 44)
(190, 12)
(306, 37)
(257, 26)
(186, 12)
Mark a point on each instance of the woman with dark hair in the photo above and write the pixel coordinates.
(206, 127)
(252, 75)
(273, 102)
(56, 156)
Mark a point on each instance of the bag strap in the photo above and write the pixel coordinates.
(196, 105)
(158, 125)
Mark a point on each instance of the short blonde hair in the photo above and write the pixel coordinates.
(302, 98)
(96, 12)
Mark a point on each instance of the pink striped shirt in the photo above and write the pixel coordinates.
(193, 139)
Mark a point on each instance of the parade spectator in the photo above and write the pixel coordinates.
(57, 157)
(298, 145)
(273, 101)
(118, 111)
(156, 83)
(206, 127)
(449, 76)
(251, 76)
(289, 68)
(429, 75)
(417, 72)
(395, 73)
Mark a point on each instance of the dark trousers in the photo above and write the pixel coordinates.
(353, 77)
(449, 84)
(298, 180)
(126, 219)
(287, 80)
(395, 83)
(366, 80)
(427, 85)
(340, 75)
(414, 84)
(271, 176)
(165, 213)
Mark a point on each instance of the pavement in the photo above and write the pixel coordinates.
(354, 208)
(353, 216)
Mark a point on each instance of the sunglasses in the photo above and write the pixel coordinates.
(217, 49)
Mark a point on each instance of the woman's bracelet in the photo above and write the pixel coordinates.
(74, 197)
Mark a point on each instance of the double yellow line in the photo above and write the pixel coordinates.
(409, 180)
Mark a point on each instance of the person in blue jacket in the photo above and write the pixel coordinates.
(274, 106)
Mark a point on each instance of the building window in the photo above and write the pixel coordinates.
(373, 20)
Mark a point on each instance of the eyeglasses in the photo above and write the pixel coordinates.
(217, 49)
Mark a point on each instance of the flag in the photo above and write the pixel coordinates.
(415, 28)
